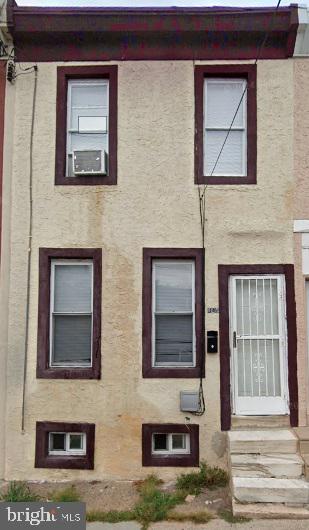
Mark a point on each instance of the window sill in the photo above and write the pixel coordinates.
(65, 462)
(181, 373)
(68, 373)
(95, 180)
(249, 179)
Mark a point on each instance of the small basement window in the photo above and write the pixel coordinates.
(61, 443)
(64, 445)
(170, 443)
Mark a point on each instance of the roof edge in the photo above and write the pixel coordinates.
(196, 32)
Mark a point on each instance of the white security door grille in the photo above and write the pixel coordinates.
(258, 345)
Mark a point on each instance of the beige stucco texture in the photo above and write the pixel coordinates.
(301, 211)
(155, 204)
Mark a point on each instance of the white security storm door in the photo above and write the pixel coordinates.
(258, 339)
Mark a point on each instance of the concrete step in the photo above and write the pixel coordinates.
(260, 422)
(274, 465)
(306, 466)
(269, 511)
(280, 490)
(302, 434)
(262, 441)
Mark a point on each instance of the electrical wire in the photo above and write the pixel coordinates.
(35, 69)
(202, 195)
(261, 47)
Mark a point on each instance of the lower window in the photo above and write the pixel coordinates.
(69, 316)
(170, 445)
(67, 443)
(64, 445)
(173, 312)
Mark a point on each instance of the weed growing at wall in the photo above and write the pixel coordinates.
(19, 492)
(68, 494)
(206, 477)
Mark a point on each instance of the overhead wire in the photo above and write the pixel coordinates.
(202, 194)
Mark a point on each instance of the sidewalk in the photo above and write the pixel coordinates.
(218, 524)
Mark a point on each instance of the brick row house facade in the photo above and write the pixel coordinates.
(151, 166)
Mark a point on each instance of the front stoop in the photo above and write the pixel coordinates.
(302, 434)
(267, 474)
(269, 511)
(267, 466)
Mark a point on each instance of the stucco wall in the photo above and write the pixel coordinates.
(301, 201)
(155, 204)
(301, 137)
(302, 344)
(5, 210)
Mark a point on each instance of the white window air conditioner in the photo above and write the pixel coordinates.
(90, 162)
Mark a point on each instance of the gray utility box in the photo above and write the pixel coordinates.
(189, 401)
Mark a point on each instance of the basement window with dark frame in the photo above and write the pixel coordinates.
(170, 444)
(69, 313)
(86, 146)
(64, 445)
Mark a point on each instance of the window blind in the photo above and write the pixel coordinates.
(71, 326)
(173, 312)
(221, 100)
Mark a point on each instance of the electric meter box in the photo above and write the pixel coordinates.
(189, 401)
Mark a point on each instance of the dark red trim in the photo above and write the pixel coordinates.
(47, 34)
(225, 384)
(2, 109)
(43, 368)
(190, 460)
(43, 459)
(197, 254)
(83, 72)
(248, 72)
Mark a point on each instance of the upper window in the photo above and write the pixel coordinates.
(69, 313)
(86, 150)
(225, 99)
(87, 127)
(225, 103)
(173, 337)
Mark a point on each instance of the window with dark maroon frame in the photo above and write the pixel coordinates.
(197, 255)
(44, 459)
(243, 71)
(191, 459)
(85, 72)
(44, 370)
